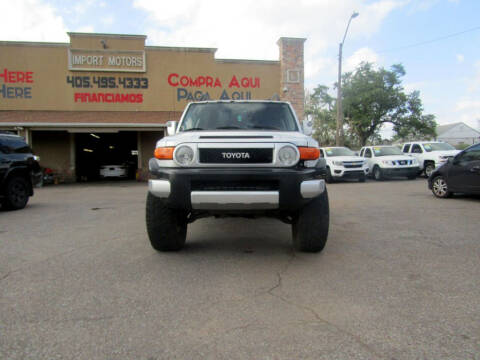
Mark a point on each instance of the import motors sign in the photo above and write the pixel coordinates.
(106, 60)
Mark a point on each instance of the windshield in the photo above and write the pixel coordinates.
(339, 151)
(387, 150)
(437, 147)
(15, 145)
(239, 116)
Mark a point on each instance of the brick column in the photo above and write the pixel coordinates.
(292, 73)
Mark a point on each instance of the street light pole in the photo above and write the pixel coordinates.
(339, 135)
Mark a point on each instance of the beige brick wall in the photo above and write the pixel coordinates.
(292, 73)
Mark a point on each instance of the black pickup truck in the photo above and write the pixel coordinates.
(19, 172)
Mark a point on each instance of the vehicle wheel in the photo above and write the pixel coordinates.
(440, 187)
(377, 173)
(16, 195)
(429, 167)
(361, 178)
(329, 178)
(167, 228)
(310, 228)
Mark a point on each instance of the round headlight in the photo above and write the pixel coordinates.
(184, 155)
(287, 156)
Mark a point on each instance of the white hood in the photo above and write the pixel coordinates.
(394, 157)
(345, 158)
(236, 136)
(445, 152)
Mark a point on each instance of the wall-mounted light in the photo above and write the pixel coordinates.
(88, 150)
(95, 136)
(104, 43)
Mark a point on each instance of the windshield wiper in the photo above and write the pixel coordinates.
(227, 127)
(193, 129)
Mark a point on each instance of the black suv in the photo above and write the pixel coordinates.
(19, 172)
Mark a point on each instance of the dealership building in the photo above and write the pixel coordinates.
(105, 99)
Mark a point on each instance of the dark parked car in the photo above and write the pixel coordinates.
(459, 175)
(19, 172)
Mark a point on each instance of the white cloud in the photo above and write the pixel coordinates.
(249, 29)
(315, 67)
(359, 56)
(460, 58)
(465, 110)
(81, 7)
(34, 20)
(85, 29)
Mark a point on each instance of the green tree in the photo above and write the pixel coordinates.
(320, 108)
(374, 97)
(417, 124)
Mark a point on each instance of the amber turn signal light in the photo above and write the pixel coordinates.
(164, 153)
(309, 153)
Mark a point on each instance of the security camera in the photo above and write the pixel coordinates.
(285, 89)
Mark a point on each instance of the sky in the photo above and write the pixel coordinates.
(437, 41)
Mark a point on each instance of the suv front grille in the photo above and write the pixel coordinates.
(352, 164)
(234, 185)
(236, 156)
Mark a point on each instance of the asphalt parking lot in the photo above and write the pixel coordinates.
(398, 279)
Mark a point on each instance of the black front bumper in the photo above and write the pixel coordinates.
(401, 172)
(352, 174)
(286, 181)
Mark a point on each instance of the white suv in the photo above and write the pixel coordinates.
(429, 154)
(389, 161)
(237, 158)
(343, 163)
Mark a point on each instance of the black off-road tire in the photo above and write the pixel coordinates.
(429, 168)
(377, 173)
(328, 176)
(16, 193)
(166, 227)
(310, 227)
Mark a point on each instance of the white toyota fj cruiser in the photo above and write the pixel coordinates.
(237, 158)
